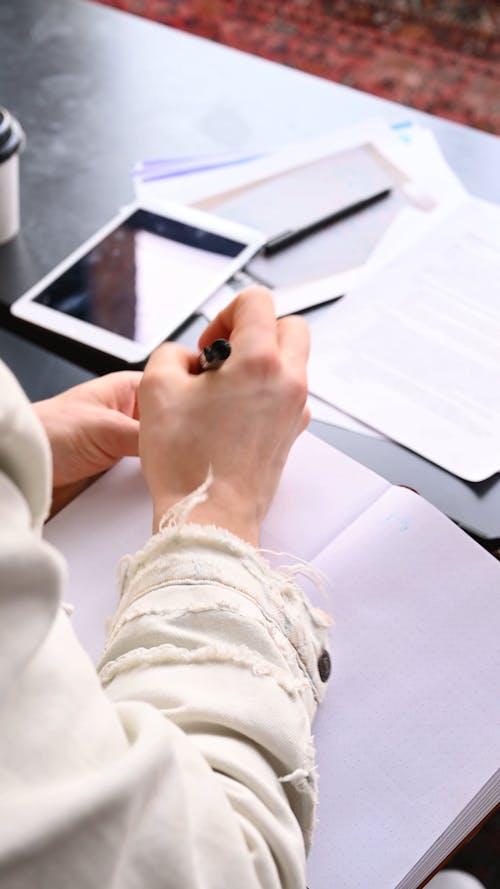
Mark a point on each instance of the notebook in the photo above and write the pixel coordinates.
(408, 737)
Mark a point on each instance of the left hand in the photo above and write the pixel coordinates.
(90, 427)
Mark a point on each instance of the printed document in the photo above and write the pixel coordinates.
(415, 352)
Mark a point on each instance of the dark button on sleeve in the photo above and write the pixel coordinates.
(324, 665)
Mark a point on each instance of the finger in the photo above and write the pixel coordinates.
(306, 417)
(116, 436)
(294, 339)
(127, 437)
(247, 319)
(119, 390)
(171, 359)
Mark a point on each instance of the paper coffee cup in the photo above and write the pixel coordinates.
(11, 142)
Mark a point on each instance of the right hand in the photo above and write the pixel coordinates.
(241, 419)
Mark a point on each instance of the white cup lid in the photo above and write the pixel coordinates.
(11, 135)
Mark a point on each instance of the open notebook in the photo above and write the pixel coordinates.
(408, 738)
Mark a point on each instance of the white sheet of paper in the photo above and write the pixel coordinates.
(408, 226)
(327, 413)
(199, 187)
(417, 150)
(416, 667)
(415, 154)
(415, 353)
(418, 160)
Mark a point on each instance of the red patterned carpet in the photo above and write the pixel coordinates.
(441, 56)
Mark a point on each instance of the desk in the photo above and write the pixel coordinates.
(96, 90)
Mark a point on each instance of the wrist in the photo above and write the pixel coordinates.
(237, 517)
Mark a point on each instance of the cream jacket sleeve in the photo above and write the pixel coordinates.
(188, 762)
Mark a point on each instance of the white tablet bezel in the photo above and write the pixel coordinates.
(113, 343)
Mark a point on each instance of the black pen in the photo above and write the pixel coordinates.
(286, 239)
(212, 357)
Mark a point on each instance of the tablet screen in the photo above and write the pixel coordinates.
(127, 282)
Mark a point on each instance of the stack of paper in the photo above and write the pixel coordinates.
(411, 352)
(415, 352)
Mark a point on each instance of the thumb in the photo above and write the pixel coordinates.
(122, 436)
(170, 358)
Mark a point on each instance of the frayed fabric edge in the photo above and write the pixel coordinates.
(174, 521)
(299, 779)
(176, 516)
(172, 528)
(239, 656)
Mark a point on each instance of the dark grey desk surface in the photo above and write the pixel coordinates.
(96, 90)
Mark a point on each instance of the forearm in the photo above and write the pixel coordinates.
(228, 651)
(174, 769)
(193, 766)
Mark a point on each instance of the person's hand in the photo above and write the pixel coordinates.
(240, 419)
(89, 428)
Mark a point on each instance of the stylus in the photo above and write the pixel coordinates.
(286, 239)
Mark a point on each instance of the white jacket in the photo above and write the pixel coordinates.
(188, 762)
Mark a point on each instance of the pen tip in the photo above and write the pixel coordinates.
(220, 349)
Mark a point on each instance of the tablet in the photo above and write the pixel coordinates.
(139, 278)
